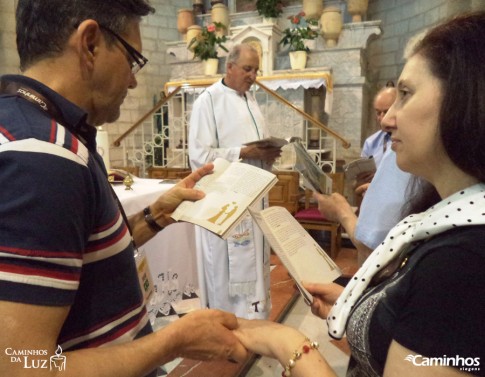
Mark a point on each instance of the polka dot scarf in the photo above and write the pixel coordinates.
(463, 208)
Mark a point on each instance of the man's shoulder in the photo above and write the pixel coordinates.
(372, 143)
(20, 120)
(375, 136)
(211, 91)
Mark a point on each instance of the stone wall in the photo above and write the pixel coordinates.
(400, 20)
(157, 30)
(9, 61)
(382, 61)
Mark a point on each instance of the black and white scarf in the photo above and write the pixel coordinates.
(466, 207)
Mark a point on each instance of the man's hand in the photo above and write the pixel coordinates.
(362, 189)
(334, 207)
(207, 335)
(254, 152)
(163, 207)
(183, 190)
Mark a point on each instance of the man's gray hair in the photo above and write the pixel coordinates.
(235, 52)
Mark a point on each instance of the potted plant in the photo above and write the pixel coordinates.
(269, 9)
(295, 37)
(205, 45)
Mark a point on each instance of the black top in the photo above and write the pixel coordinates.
(434, 306)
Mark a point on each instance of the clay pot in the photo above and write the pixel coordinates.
(298, 59)
(185, 18)
(192, 32)
(313, 8)
(220, 13)
(331, 21)
(357, 8)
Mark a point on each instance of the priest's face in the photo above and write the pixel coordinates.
(242, 73)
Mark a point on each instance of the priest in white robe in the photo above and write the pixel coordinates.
(233, 274)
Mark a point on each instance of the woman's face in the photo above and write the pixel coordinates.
(413, 120)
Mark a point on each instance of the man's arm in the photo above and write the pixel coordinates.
(203, 334)
(336, 208)
(163, 207)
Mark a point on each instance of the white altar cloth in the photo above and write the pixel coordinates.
(170, 254)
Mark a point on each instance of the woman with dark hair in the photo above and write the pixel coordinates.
(417, 305)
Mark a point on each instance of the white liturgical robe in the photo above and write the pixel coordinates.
(233, 274)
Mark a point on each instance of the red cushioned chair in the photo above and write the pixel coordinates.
(310, 218)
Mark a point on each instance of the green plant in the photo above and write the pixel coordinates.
(206, 43)
(299, 31)
(269, 8)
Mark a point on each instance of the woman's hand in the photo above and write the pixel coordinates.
(280, 342)
(324, 296)
(268, 338)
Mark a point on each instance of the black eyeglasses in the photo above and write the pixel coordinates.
(138, 60)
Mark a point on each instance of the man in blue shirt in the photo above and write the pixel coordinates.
(377, 144)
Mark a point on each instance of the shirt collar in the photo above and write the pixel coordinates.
(73, 115)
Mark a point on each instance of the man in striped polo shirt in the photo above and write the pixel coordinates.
(67, 272)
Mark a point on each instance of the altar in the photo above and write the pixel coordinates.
(170, 254)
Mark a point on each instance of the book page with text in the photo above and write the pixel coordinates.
(304, 259)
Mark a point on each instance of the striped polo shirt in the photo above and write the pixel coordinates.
(63, 241)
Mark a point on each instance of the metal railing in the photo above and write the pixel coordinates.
(162, 140)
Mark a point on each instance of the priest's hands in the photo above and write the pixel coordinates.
(254, 152)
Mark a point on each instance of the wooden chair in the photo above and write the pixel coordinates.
(286, 192)
(168, 173)
(310, 218)
(133, 170)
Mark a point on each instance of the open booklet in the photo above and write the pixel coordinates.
(313, 176)
(229, 191)
(304, 259)
(360, 166)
